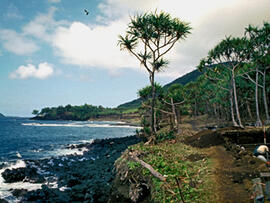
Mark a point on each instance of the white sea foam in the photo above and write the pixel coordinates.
(19, 155)
(83, 124)
(87, 141)
(75, 151)
(53, 125)
(6, 187)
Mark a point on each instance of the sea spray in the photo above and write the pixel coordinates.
(5, 188)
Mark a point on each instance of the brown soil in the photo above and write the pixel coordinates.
(232, 167)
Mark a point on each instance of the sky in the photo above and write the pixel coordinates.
(52, 53)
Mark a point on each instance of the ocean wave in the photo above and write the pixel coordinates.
(89, 124)
(52, 125)
(5, 188)
(67, 151)
(86, 141)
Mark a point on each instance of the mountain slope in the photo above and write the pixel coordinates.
(2, 116)
(189, 77)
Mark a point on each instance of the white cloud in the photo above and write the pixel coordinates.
(17, 43)
(43, 26)
(96, 45)
(24, 43)
(43, 71)
(112, 9)
(54, 1)
(93, 47)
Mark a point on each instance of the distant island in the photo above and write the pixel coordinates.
(2, 116)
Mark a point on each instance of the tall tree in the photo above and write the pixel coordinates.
(260, 57)
(224, 62)
(149, 37)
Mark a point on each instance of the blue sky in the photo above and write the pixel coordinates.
(52, 54)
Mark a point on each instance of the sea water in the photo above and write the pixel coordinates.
(22, 138)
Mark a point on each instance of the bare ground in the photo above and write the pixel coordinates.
(232, 167)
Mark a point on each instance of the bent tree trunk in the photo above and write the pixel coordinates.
(258, 120)
(232, 109)
(235, 100)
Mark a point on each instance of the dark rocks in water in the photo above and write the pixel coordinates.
(20, 174)
(46, 194)
(18, 192)
(14, 175)
(72, 181)
(3, 201)
(85, 178)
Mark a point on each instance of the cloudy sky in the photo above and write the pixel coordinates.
(52, 54)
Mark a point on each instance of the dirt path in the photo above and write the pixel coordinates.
(232, 168)
(228, 186)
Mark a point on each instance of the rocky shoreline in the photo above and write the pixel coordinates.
(72, 178)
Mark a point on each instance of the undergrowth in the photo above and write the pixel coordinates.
(173, 161)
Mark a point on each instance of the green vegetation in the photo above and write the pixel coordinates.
(149, 37)
(234, 86)
(236, 71)
(174, 161)
(80, 113)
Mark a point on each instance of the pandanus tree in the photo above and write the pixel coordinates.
(223, 64)
(259, 61)
(149, 37)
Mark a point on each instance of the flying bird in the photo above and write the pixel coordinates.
(86, 12)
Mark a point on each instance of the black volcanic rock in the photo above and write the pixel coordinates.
(80, 178)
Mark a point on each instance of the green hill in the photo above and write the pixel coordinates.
(189, 77)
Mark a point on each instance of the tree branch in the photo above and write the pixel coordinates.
(148, 166)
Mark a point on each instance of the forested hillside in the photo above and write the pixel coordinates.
(68, 112)
(183, 80)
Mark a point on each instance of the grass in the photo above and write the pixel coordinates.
(172, 161)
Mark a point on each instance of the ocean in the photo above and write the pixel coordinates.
(22, 138)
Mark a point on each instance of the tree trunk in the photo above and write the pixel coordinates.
(249, 110)
(258, 121)
(215, 110)
(232, 109)
(174, 114)
(265, 99)
(236, 101)
(153, 116)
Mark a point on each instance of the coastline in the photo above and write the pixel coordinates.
(86, 176)
(129, 119)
